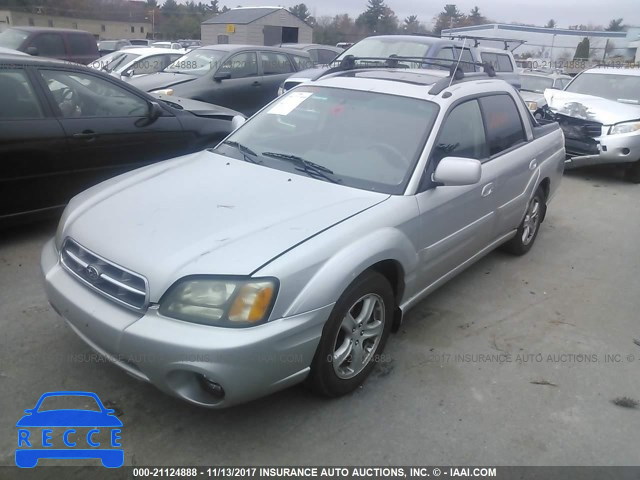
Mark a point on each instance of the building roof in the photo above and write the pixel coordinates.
(523, 28)
(242, 15)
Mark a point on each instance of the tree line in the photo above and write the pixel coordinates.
(182, 20)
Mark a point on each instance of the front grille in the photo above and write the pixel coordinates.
(111, 280)
(576, 128)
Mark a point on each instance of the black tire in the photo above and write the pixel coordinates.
(633, 172)
(324, 378)
(523, 241)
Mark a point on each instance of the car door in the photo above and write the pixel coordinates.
(109, 129)
(456, 222)
(515, 158)
(241, 90)
(276, 68)
(32, 147)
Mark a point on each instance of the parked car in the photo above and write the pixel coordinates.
(170, 45)
(533, 83)
(442, 52)
(599, 112)
(320, 54)
(190, 44)
(64, 128)
(290, 250)
(134, 62)
(109, 46)
(72, 45)
(228, 75)
(142, 42)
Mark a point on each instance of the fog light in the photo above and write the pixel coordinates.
(625, 151)
(212, 387)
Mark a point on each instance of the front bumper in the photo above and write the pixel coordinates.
(175, 355)
(606, 149)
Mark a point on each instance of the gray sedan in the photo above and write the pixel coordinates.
(290, 251)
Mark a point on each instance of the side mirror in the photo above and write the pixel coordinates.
(33, 51)
(237, 122)
(458, 171)
(155, 111)
(219, 76)
(127, 74)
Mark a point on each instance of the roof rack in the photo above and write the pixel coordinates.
(348, 63)
(477, 40)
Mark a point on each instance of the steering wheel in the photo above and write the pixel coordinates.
(391, 154)
(69, 101)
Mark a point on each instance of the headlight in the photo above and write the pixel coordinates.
(223, 302)
(164, 91)
(533, 106)
(628, 127)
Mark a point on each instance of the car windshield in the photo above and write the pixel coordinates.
(535, 83)
(12, 38)
(120, 62)
(108, 45)
(621, 88)
(356, 138)
(385, 47)
(197, 62)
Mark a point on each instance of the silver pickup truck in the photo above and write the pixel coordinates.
(291, 250)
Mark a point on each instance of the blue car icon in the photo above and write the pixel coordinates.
(31, 448)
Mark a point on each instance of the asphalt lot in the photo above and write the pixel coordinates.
(505, 365)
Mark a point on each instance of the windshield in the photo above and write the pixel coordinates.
(621, 88)
(120, 62)
(535, 83)
(385, 47)
(12, 38)
(197, 62)
(361, 139)
(107, 45)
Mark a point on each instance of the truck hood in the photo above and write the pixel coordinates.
(588, 107)
(205, 214)
(159, 80)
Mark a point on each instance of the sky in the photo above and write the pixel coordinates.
(537, 12)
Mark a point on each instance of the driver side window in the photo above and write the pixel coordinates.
(242, 65)
(81, 95)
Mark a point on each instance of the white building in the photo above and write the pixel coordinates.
(558, 44)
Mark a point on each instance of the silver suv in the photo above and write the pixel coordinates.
(289, 251)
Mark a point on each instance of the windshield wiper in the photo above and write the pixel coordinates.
(303, 165)
(248, 154)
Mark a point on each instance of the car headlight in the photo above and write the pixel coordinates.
(163, 91)
(533, 106)
(219, 301)
(627, 127)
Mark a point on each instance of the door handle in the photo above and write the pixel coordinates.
(533, 164)
(85, 135)
(487, 189)
(256, 84)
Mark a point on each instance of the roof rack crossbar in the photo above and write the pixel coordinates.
(348, 63)
(477, 40)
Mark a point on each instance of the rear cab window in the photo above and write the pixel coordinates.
(503, 123)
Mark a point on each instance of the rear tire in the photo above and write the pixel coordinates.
(529, 227)
(354, 336)
(633, 173)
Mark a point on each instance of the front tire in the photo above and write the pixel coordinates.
(354, 336)
(529, 227)
(633, 172)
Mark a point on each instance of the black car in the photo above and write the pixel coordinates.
(66, 127)
(242, 77)
(65, 44)
(320, 54)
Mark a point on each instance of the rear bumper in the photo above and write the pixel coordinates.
(175, 355)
